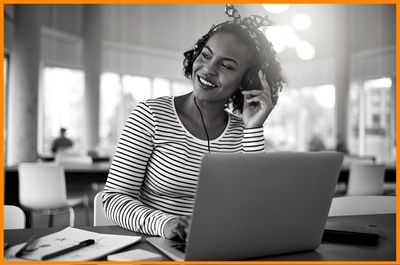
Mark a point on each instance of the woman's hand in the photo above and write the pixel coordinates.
(257, 104)
(177, 227)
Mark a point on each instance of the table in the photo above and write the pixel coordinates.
(385, 250)
(83, 175)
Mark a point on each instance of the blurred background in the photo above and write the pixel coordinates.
(84, 67)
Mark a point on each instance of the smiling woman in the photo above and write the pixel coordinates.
(218, 70)
(153, 177)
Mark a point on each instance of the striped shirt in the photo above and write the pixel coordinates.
(154, 173)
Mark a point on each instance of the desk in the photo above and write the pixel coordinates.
(83, 175)
(386, 249)
(99, 167)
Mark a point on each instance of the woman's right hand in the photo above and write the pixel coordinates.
(177, 227)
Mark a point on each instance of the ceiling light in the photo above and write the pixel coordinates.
(301, 21)
(276, 8)
(275, 36)
(305, 50)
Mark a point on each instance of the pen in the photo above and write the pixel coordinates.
(70, 249)
(27, 244)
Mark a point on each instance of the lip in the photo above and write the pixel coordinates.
(205, 86)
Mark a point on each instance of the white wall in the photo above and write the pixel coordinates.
(150, 40)
(374, 63)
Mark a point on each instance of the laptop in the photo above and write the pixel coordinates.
(251, 206)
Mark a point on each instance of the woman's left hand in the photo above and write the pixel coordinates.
(178, 227)
(257, 104)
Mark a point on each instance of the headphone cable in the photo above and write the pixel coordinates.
(204, 125)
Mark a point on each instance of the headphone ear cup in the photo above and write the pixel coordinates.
(251, 80)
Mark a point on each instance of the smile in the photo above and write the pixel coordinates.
(205, 82)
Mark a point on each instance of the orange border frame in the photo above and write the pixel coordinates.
(194, 2)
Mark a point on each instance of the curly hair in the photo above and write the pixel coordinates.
(266, 59)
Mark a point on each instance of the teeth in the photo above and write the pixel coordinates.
(205, 82)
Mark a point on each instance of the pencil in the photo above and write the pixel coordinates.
(27, 244)
(70, 249)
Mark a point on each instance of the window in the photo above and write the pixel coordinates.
(119, 94)
(110, 114)
(136, 88)
(63, 99)
(302, 120)
(6, 72)
(372, 119)
(376, 120)
(161, 87)
(181, 88)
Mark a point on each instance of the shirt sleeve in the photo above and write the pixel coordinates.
(126, 176)
(253, 140)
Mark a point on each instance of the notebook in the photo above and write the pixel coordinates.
(250, 206)
(70, 236)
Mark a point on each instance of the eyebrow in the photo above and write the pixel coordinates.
(223, 58)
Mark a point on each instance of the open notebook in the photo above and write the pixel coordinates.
(104, 244)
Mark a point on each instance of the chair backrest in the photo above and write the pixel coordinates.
(366, 179)
(14, 217)
(362, 205)
(42, 186)
(99, 217)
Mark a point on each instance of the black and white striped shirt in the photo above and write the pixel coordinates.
(154, 173)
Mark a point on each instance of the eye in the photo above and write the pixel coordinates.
(206, 56)
(227, 66)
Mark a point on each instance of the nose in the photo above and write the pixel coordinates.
(211, 67)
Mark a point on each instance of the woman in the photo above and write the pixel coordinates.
(152, 180)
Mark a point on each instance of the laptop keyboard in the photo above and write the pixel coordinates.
(180, 246)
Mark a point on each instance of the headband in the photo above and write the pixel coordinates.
(250, 24)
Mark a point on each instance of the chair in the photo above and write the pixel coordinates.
(99, 217)
(362, 205)
(366, 179)
(14, 217)
(42, 189)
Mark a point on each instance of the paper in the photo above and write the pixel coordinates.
(105, 244)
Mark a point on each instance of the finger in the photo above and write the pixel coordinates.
(180, 231)
(246, 97)
(187, 231)
(268, 91)
(262, 100)
(188, 220)
(264, 83)
(185, 219)
(257, 96)
(184, 226)
(170, 227)
(260, 93)
(255, 99)
(253, 92)
(263, 80)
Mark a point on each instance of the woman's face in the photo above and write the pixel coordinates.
(219, 68)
